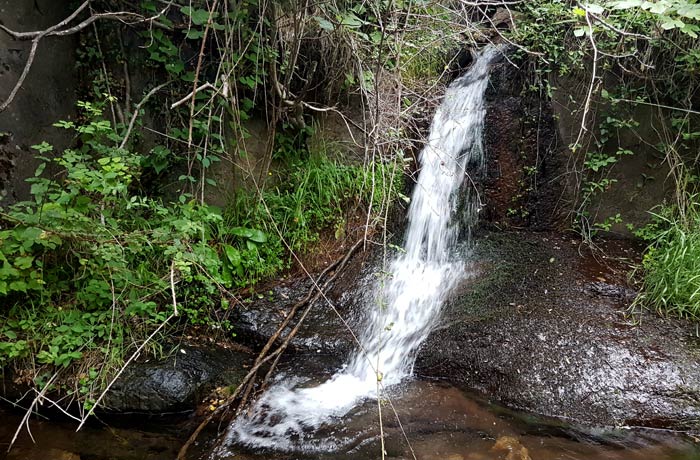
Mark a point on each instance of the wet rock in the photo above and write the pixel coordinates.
(177, 382)
(41, 454)
(523, 185)
(322, 333)
(539, 331)
(511, 445)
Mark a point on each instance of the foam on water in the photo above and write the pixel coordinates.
(441, 208)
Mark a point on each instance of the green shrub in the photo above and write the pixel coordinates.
(87, 265)
(314, 195)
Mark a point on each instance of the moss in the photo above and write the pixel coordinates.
(505, 272)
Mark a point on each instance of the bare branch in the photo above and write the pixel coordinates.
(136, 112)
(591, 88)
(206, 85)
(36, 37)
(42, 33)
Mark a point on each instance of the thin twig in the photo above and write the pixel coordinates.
(30, 410)
(128, 361)
(591, 88)
(172, 287)
(198, 69)
(135, 115)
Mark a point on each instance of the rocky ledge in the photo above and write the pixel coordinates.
(544, 327)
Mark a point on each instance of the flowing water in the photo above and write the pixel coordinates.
(409, 299)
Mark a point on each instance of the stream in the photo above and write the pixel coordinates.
(440, 422)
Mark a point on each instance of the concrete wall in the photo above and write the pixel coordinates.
(48, 93)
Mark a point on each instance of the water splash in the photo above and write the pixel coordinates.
(411, 298)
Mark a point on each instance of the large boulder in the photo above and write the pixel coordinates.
(544, 327)
(176, 382)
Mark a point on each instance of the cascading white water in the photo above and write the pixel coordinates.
(410, 301)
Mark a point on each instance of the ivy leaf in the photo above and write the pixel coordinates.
(325, 24)
(24, 262)
(232, 254)
(199, 16)
(656, 8)
(691, 30)
(627, 4)
(670, 23)
(194, 34)
(595, 9)
(258, 236)
(689, 11)
(350, 20)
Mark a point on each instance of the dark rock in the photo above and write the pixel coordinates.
(322, 331)
(177, 382)
(544, 329)
(47, 95)
(523, 186)
(41, 454)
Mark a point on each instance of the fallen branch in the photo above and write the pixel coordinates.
(263, 357)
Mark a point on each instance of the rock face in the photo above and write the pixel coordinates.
(177, 382)
(543, 329)
(322, 333)
(525, 162)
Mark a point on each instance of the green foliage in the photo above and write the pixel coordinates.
(314, 195)
(671, 263)
(95, 257)
(87, 266)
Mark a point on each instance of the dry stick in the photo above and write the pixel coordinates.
(135, 115)
(25, 419)
(341, 264)
(261, 361)
(198, 69)
(271, 341)
(278, 352)
(172, 286)
(594, 76)
(206, 85)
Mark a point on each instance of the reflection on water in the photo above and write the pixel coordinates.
(441, 423)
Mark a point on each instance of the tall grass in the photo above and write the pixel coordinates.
(672, 263)
(315, 194)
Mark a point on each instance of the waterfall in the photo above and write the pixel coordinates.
(410, 300)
